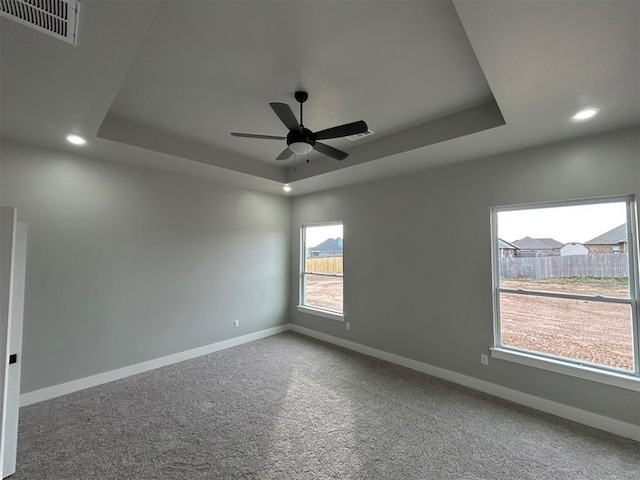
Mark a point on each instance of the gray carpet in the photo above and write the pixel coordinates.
(288, 407)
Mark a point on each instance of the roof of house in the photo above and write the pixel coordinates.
(613, 236)
(528, 243)
(507, 245)
(329, 245)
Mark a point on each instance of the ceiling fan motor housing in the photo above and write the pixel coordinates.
(303, 135)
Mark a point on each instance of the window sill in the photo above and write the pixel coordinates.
(321, 313)
(621, 380)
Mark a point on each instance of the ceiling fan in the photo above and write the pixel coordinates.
(301, 140)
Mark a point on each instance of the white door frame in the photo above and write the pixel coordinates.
(12, 382)
(7, 246)
(13, 251)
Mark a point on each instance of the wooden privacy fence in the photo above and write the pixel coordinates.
(603, 265)
(325, 265)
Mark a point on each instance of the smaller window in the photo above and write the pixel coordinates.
(321, 279)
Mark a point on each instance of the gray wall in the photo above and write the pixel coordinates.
(128, 264)
(431, 298)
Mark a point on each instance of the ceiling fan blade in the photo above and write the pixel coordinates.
(343, 130)
(286, 153)
(254, 135)
(285, 114)
(330, 151)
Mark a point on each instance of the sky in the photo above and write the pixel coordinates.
(578, 223)
(317, 235)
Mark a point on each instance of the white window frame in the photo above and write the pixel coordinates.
(312, 309)
(594, 372)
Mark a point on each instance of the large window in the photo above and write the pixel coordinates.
(565, 284)
(321, 273)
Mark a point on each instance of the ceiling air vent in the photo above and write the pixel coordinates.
(58, 18)
(359, 135)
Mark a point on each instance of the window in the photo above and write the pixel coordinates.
(321, 280)
(567, 295)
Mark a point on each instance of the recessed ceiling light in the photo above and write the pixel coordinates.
(76, 139)
(585, 114)
(286, 187)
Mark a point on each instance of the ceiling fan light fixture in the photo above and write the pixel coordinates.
(300, 148)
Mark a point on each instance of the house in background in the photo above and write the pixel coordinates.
(613, 241)
(573, 248)
(507, 250)
(537, 247)
(331, 247)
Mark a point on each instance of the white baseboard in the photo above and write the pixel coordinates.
(87, 382)
(601, 422)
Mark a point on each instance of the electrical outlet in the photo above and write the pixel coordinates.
(484, 359)
(236, 323)
(348, 325)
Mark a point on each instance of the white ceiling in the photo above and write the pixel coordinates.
(219, 74)
(162, 84)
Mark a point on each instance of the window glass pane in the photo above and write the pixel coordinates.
(323, 249)
(323, 292)
(585, 331)
(576, 249)
(322, 267)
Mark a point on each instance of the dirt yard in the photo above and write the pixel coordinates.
(324, 292)
(593, 332)
(586, 331)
